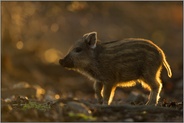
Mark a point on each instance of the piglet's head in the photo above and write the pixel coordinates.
(82, 53)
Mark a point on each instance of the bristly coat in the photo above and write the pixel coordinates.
(118, 63)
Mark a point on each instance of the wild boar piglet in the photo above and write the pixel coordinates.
(118, 63)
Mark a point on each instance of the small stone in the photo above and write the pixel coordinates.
(138, 118)
(136, 98)
(21, 85)
(105, 118)
(6, 108)
(77, 107)
(129, 120)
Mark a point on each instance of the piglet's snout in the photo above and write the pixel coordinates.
(61, 62)
(66, 62)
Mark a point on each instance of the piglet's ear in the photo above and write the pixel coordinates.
(91, 39)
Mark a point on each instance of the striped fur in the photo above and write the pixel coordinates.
(118, 63)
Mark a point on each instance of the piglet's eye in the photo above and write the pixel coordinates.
(78, 49)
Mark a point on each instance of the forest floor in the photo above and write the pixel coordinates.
(35, 35)
(70, 101)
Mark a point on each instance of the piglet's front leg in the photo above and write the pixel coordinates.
(108, 94)
(98, 89)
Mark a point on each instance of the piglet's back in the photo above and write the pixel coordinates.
(129, 58)
(131, 49)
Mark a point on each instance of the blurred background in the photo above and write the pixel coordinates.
(35, 35)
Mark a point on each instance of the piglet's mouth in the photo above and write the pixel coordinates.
(67, 63)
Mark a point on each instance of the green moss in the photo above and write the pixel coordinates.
(35, 105)
(82, 116)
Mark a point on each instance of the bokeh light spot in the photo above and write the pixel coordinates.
(54, 27)
(77, 6)
(51, 55)
(39, 91)
(19, 45)
(57, 96)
